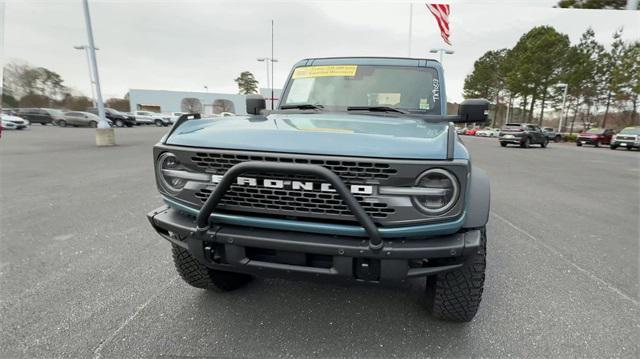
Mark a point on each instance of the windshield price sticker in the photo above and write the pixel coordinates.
(323, 71)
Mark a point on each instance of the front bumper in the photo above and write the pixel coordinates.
(267, 252)
(588, 140)
(629, 144)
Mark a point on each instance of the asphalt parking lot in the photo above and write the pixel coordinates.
(82, 274)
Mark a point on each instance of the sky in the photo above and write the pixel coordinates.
(186, 45)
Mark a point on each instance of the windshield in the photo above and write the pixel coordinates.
(596, 130)
(631, 131)
(336, 88)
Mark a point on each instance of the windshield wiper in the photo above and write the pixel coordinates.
(376, 109)
(302, 106)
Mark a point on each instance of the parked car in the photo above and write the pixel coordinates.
(488, 132)
(10, 122)
(43, 116)
(149, 118)
(551, 134)
(439, 204)
(173, 116)
(80, 118)
(628, 138)
(119, 119)
(595, 136)
(522, 134)
(470, 131)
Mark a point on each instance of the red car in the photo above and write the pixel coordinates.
(595, 137)
(471, 131)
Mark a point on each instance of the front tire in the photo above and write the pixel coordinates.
(159, 123)
(455, 295)
(526, 143)
(544, 143)
(613, 147)
(62, 123)
(597, 144)
(503, 144)
(93, 124)
(579, 144)
(199, 276)
(119, 123)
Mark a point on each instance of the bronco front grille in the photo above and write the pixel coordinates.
(625, 138)
(349, 171)
(294, 202)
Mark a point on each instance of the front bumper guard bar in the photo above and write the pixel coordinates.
(203, 222)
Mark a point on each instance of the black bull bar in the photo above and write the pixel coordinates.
(202, 220)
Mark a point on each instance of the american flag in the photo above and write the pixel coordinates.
(441, 12)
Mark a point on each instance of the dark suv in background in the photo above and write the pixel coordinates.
(118, 118)
(43, 116)
(522, 134)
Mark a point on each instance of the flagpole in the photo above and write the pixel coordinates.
(410, 26)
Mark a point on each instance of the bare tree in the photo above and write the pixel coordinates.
(221, 105)
(191, 105)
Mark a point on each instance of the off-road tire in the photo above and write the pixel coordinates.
(544, 143)
(455, 295)
(199, 276)
(503, 144)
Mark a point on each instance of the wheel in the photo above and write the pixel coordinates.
(455, 295)
(544, 143)
(526, 143)
(629, 148)
(93, 124)
(579, 144)
(61, 123)
(613, 147)
(199, 276)
(557, 139)
(119, 123)
(597, 144)
(159, 123)
(129, 125)
(503, 144)
(43, 123)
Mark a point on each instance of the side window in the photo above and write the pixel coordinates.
(529, 128)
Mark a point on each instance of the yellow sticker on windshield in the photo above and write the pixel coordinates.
(321, 71)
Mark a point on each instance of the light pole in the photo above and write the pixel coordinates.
(93, 83)
(564, 99)
(105, 136)
(442, 51)
(266, 61)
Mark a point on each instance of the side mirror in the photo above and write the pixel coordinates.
(474, 110)
(255, 104)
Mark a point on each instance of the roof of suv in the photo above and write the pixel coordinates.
(365, 60)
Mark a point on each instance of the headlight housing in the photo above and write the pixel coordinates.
(166, 163)
(440, 201)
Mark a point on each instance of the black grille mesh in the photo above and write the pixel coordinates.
(349, 171)
(294, 202)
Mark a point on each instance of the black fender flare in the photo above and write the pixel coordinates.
(478, 199)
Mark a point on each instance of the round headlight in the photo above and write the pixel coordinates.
(167, 162)
(445, 194)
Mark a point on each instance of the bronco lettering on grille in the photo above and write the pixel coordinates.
(294, 185)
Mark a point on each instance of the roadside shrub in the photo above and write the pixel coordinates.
(569, 137)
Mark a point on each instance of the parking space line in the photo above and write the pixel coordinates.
(97, 352)
(584, 271)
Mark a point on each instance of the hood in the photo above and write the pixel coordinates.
(340, 134)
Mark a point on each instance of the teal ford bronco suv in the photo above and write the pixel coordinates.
(358, 175)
